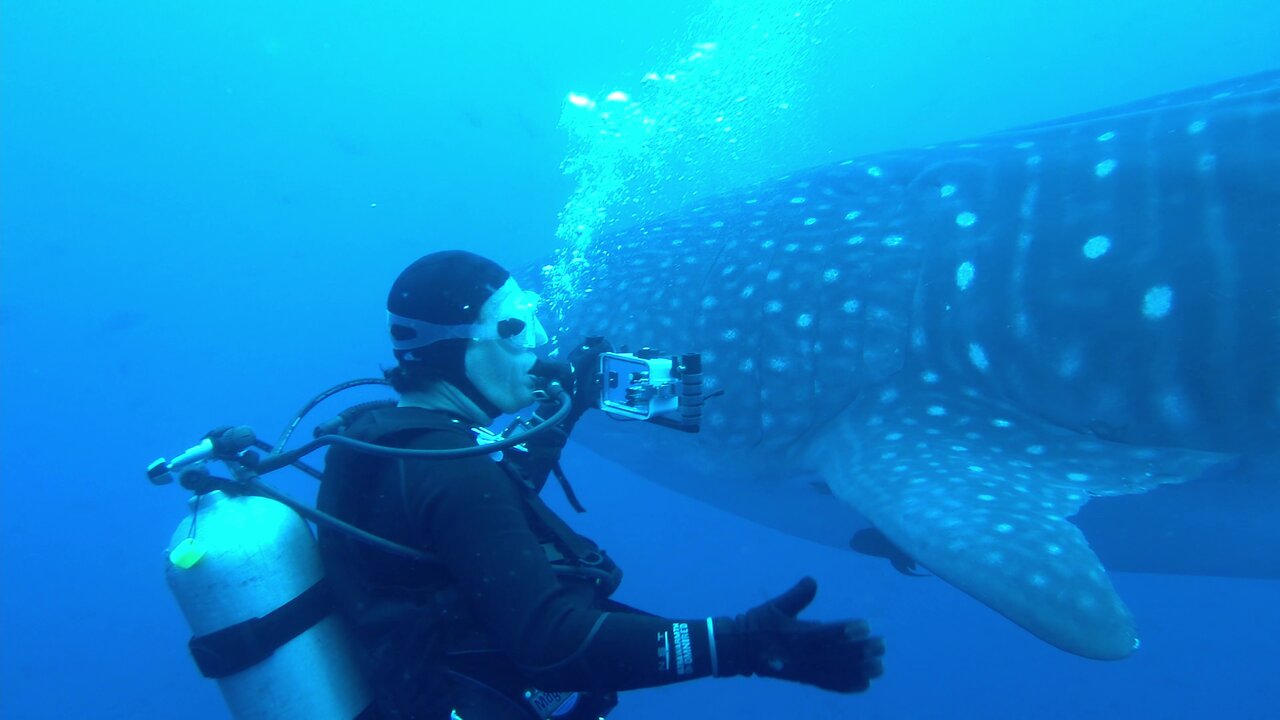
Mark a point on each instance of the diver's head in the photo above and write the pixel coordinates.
(461, 319)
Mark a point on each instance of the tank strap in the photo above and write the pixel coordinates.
(241, 646)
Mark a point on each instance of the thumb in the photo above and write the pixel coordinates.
(791, 602)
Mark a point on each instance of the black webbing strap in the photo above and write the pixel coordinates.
(579, 548)
(565, 487)
(241, 646)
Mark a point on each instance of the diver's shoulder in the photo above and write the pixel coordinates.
(412, 427)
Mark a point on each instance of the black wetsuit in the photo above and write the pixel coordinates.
(501, 611)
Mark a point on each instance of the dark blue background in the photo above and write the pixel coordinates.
(203, 205)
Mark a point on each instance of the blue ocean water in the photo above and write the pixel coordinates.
(203, 206)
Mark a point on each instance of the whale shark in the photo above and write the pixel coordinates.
(967, 347)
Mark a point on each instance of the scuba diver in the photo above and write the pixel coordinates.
(507, 614)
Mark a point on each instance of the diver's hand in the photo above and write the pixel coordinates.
(771, 641)
(587, 383)
(580, 378)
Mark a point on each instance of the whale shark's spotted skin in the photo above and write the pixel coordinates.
(969, 341)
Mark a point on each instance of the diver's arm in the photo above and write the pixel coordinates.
(475, 520)
(769, 640)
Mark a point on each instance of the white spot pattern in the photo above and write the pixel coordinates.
(1097, 246)
(978, 356)
(1157, 302)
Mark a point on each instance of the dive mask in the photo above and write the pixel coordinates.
(517, 323)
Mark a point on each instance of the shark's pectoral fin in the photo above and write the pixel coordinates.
(980, 495)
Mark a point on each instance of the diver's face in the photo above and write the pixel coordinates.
(498, 367)
(501, 372)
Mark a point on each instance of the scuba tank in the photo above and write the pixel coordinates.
(247, 574)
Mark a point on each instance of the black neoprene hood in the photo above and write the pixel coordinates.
(445, 288)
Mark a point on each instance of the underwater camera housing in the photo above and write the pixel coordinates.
(647, 385)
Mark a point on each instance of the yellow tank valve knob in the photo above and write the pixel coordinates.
(186, 553)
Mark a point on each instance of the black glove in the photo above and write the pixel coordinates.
(581, 379)
(769, 641)
(585, 360)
